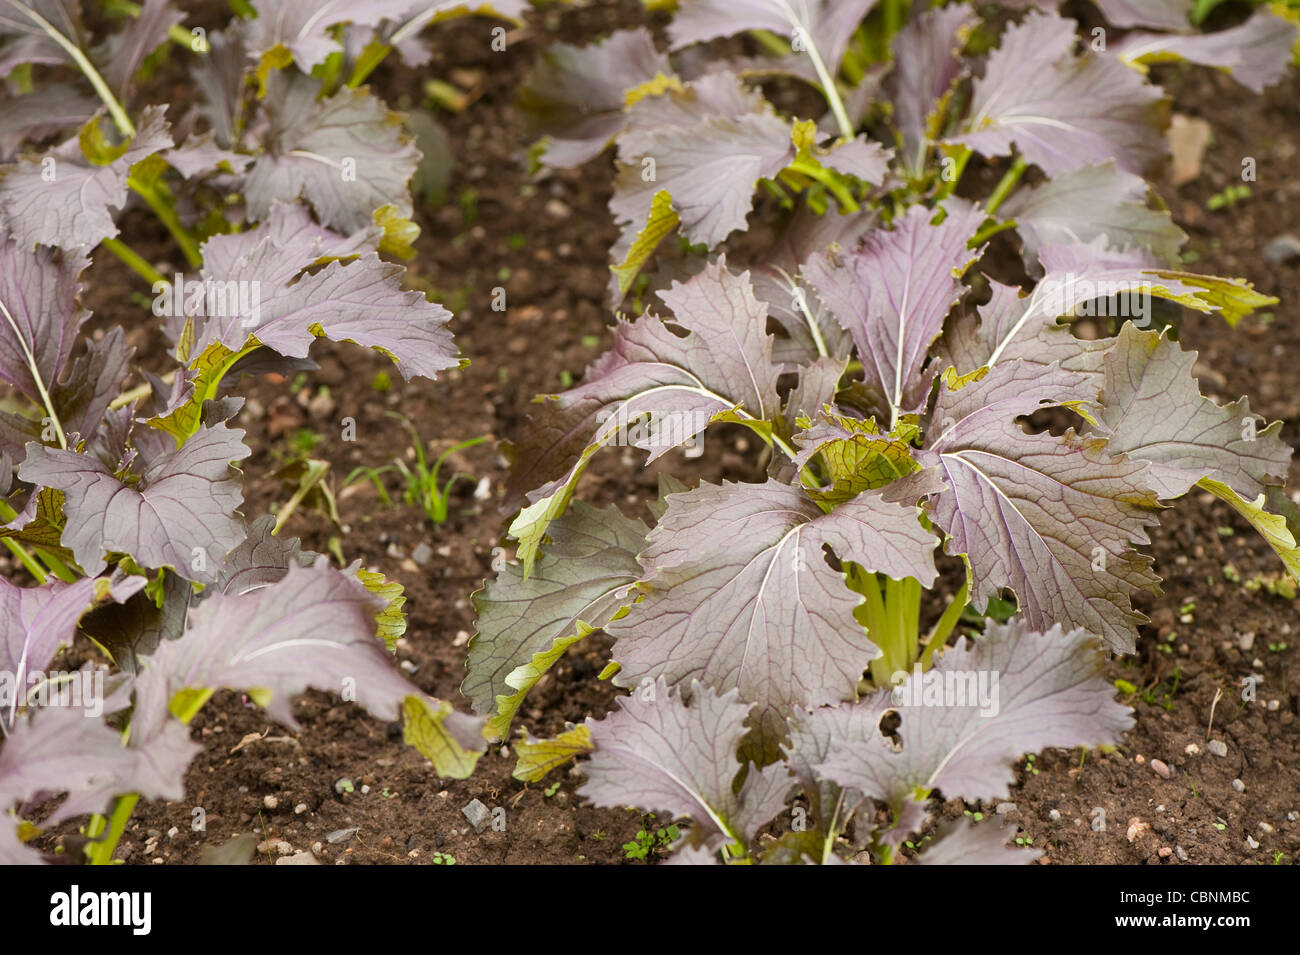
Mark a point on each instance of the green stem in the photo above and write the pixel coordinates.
(134, 261)
(120, 119)
(950, 185)
(374, 54)
(830, 90)
(815, 170)
(33, 568)
(57, 566)
(101, 851)
(772, 43)
(1008, 182)
(947, 623)
(46, 401)
(990, 230)
(165, 212)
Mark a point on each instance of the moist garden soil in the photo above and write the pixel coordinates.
(545, 241)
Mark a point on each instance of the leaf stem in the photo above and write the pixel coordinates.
(1008, 182)
(165, 212)
(120, 119)
(815, 170)
(101, 851)
(947, 623)
(134, 261)
(36, 378)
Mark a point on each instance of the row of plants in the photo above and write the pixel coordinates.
(825, 280)
(285, 188)
(771, 632)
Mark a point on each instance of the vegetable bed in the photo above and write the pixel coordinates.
(1129, 735)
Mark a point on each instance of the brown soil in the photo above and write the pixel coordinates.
(545, 241)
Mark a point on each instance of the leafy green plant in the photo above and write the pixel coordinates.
(650, 838)
(421, 482)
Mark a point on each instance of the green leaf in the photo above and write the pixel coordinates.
(537, 757)
(426, 729)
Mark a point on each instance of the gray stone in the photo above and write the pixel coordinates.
(422, 553)
(1238, 786)
(340, 836)
(1181, 853)
(1217, 747)
(298, 858)
(478, 815)
(1284, 248)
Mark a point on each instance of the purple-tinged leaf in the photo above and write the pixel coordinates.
(926, 67)
(963, 842)
(1063, 111)
(1155, 14)
(738, 594)
(27, 39)
(72, 209)
(346, 155)
(52, 108)
(724, 363)
(59, 749)
(1257, 54)
(262, 559)
(39, 314)
(893, 295)
(178, 514)
(313, 628)
(656, 753)
(983, 704)
(709, 171)
(828, 25)
(1051, 518)
(219, 76)
(526, 623)
(578, 96)
(969, 344)
(1089, 202)
(36, 621)
(302, 27)
(200, 155)
(121, 54)
(360, 301)
(1152, 410)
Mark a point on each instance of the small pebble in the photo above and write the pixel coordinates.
(1246, 641)
(1054, 815)
(1217, 747)
(1238, 786)
(1274, 706)
(1162, 770)
(1181, 853)
(1284, 248)
(1005, 807)
(422, 553)
(270, 802)
(1140, 759)
(1292, 816)
(171, 833)
(1191, 749)
(299, 809)
(1252, 842)
(1265, 827)
(1164, 852)
(340, 836)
